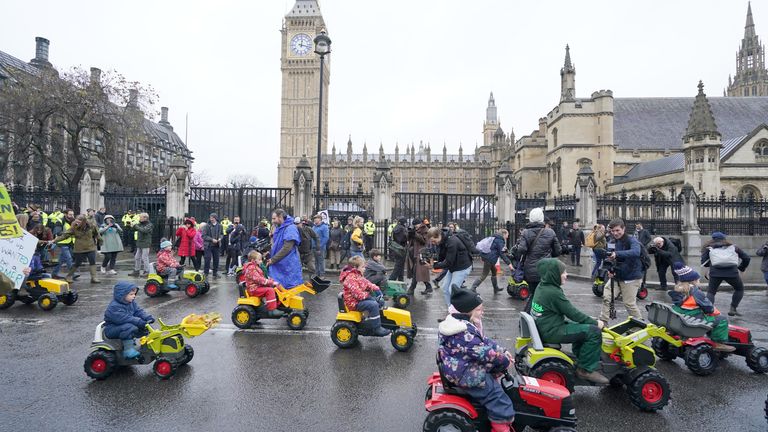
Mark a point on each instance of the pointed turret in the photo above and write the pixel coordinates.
(490, 112)
(349, 145)
(749, 27)
(381, 149)
(751, 77)
(702, 121)
(461, 153)
(567, 78)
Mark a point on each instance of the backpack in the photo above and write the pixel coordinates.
(590, 241)
(469, 244)
(484, 245)
(723, 257)
(678, 244)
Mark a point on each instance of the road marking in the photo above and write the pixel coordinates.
(27, 321)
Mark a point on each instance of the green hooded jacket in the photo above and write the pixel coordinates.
(550, 307)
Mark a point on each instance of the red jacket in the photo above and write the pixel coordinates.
(165, 259)
(186, 236)
(356, 287)
(254, 277)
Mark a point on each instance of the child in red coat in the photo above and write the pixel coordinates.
(259, 285)
(361, 295)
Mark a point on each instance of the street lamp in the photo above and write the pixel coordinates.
(322, 47)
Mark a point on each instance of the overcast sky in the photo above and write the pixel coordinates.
(402, 70)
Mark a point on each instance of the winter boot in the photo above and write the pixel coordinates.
(411, 289)
(275, 313)
(70, 273)
(476, 284)
(594, 376)
(93, 271)
(129, 349)
(428, 290)
(499, 427)
(733, 311)
(495, 284)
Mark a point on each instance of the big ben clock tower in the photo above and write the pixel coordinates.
(301, 92)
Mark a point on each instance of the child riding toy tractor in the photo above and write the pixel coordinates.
(348, 326)
(47, 292)
(164, 345)
(397, 291)
(192, 282)
(624, 360)
(690, 341)
(250, 309)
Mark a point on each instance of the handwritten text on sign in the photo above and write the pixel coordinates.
(15, 255)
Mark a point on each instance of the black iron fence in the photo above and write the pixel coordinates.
(343, 205)
(658, 214)
(47, 200)
(119, 200)
(741, 215)
(469, 209)
(250, 203)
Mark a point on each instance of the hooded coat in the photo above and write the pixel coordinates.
(419, 271)
(286, 271)
(356, 287)
(550, 307)
(112, 236)
(465, 356)
(186, 235)
(120, 312)
(535, 249)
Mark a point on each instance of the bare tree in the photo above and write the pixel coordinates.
(63, 120)
(199, 178)
(243, 180)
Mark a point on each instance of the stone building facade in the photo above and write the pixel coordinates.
(150, 153)
(641, 145)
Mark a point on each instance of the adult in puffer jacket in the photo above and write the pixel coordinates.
(359, 295)
(736, 260)
(469, 360)
(536, 243)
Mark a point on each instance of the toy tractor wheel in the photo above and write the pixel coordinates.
(47, 301)
(192, 290)
(402, 340)
(163, 368)
(649, 391)
(523, 292)
(642, 293)
(555, 371)
(511, 290)
(344, 334)
(100, 364)
(402, 301)
(7, 300)
(69, 298)
(757, 359)
(598, 289)
(152, 289)
(447, 419)
(206, 287)
(663, 349)
(188, 354)
(243, 316)
(296, 320)
(701, 360)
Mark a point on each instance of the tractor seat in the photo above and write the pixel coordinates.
(663, 315)
(556, 346)
(528, 330)
(342, 306)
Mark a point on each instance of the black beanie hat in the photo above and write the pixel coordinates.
(465, 300)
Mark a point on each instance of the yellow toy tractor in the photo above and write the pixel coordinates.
(347, 328)
(250, 310)
(47, 292)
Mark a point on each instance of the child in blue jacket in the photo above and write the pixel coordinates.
(124, 319)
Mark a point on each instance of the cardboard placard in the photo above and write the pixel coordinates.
(9, 225)
(15, 256)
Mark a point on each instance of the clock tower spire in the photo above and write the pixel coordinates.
(300, 68)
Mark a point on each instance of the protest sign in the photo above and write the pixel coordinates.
(9, 226)
(15, 255)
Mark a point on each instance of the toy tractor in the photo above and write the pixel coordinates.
(250, 310)
(47, 292)
(347, 329)
(164, 345)
(192, 282)
(625, 361)
(690, 341)
(397, 291)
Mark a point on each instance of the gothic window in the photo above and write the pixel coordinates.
(746, 92)
(698, 156)
(748, 190)
(754, 90)
(554, 138)
(761, 150)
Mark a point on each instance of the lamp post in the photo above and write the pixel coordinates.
(322, 47)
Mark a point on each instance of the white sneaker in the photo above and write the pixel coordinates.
(103, 270)
(112, 272)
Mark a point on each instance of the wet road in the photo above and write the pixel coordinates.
(276, 379)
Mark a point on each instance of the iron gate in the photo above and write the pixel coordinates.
(474, 213)
(250, 203)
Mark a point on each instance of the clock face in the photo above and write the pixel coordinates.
(301, 44)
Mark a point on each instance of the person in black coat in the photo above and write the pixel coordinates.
(665, 255)
(453, 256)
(535, 243)
(399, 236)
(575, 242)
(725, 261)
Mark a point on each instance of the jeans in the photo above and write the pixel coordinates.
(735, 282)
(597, 262)
(576, 255)
(212, 252)
(453, 278)
(109, 260)
(65, 257)
(355, 253)
(765, 276)
(320, 263)
(231, 262)
(141, 259)
(397, 272)
(628, 291)
(172, 272)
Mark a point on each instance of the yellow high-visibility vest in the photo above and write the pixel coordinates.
(370, 228)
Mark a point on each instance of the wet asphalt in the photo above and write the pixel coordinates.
(274, 379)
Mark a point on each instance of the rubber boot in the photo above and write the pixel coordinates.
(428, 290)
(412, 288)
(70, 273)
(733, 311)
(475, 284)
(495, 284)
(129, 349)
(94, 272)
(274, 313)
(499, 427)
